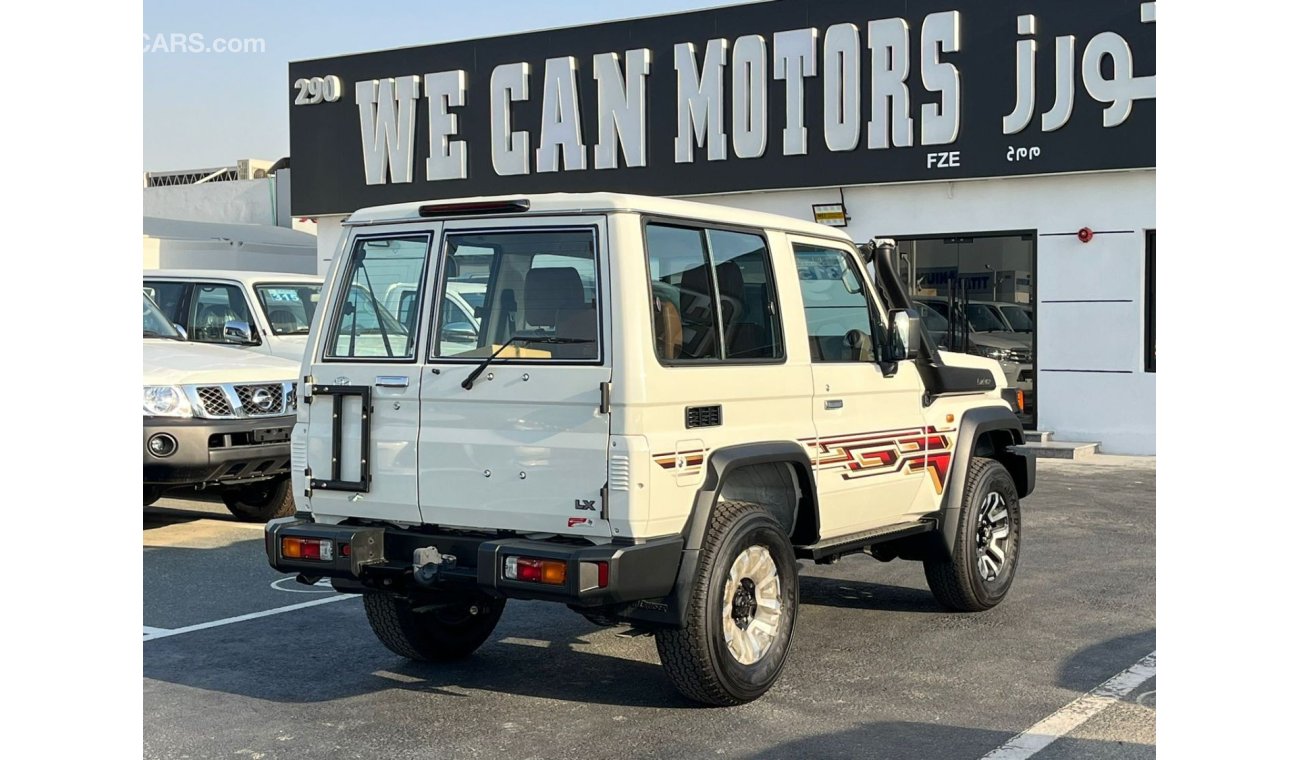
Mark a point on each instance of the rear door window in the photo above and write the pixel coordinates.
(537, 290)
(363, 327)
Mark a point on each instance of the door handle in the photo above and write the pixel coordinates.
(834, 403)
(392, 381)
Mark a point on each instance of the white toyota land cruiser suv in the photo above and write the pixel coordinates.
(661, 407)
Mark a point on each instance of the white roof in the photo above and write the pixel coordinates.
(600, 203)
(248, 278)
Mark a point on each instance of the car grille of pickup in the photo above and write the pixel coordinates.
(1020, 356)
(234, 401)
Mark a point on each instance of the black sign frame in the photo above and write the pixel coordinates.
(325, 124)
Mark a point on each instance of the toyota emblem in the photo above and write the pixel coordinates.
(263, 400)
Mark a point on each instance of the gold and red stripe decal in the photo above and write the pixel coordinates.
(885, 452)
(904, 451)
(687, 462)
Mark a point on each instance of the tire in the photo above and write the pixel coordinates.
(698, 658)
(152, 494)
(262, 501)
(449, 631)
(961, 582)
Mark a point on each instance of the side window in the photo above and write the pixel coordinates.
(170, 297)
(288, 307)
(363, 326)
(685, 318)
(213, 306)
(843, 325)
(749, 321)
(712, 295)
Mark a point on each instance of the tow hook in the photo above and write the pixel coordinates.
(429, 562)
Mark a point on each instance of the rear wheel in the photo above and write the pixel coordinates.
(740, 613)
(262, 501)
(432, 630)
(979, 572)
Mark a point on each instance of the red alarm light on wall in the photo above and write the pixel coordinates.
(1085, 234)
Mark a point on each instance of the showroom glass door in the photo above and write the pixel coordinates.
(976, 296)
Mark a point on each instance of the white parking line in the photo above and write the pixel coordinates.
(151, 634)
(1033, 739)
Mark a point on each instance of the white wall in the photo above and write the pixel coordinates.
(1091, 383)
(329, 231)
(245, 201)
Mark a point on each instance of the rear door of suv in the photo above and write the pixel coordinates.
(364, 409)
(524, 445)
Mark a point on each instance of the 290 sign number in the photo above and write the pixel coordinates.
(318, 90)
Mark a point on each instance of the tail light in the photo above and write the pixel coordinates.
(534, 570)
(293, 547)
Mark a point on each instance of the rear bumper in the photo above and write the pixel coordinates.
(382, 558)
(211, 451)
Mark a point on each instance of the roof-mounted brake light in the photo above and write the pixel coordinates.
(471, 208)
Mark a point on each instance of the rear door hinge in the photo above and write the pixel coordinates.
(606, 391)
(306, 388)
(604, 502)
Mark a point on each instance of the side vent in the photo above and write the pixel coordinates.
(703, 416)
(620, 473)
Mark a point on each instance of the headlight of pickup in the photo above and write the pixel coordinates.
(993, 353)
(166, 401)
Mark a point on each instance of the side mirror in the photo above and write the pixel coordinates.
(238, 332)
(181, 330)
(904, 342)
(459, 331)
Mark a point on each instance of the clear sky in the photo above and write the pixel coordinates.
(211, 108)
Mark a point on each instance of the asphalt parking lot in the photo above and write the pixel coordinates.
(877, 669)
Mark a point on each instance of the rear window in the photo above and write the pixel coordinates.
(536, 290)
(379, 270)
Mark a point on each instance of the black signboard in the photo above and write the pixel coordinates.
(764, 96)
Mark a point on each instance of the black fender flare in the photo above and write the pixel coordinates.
(672, 611)
(731, 458)
(975, 423)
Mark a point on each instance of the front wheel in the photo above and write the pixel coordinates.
(262, 501)
(432, 630)
(741, 610)
(979, 572)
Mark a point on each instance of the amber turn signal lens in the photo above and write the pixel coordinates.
(553, 572)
